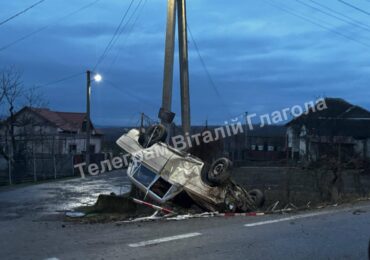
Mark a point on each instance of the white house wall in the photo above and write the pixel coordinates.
(293, 140)
(80, 143)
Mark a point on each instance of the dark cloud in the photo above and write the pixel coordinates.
(259, 57)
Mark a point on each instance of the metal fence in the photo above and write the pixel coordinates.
(42, 157)
(37, 168)
(43, 167)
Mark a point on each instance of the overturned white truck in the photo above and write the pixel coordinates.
(163, 172)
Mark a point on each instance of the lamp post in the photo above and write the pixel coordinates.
(97, 78)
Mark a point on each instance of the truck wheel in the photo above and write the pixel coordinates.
(220, 171)
(155, 134)
(258, 197)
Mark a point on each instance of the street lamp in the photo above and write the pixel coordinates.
(97, 78)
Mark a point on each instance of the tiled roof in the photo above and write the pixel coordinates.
(71, 122)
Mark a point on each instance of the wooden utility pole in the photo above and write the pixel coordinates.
(180, 6)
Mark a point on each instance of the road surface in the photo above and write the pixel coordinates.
(31, 227)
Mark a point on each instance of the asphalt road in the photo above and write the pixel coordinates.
(30, 231)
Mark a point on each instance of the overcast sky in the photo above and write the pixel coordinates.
(262, 55)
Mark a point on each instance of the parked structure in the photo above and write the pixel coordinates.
(341, 131)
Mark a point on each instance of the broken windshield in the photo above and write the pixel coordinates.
(144, 176)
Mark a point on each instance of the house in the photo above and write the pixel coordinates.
(43, 131)
(342, 130)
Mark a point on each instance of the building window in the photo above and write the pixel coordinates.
(72, 148)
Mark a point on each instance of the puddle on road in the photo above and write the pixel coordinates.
(42, 200)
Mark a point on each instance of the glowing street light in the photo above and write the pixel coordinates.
(98, 77)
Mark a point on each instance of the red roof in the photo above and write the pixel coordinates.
(67, 121)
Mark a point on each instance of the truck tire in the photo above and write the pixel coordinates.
(258, 197)
(154, 134)
(220, 171)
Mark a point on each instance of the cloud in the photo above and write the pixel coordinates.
(259, 57)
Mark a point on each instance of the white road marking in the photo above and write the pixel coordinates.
(315, 214)
(164, 239)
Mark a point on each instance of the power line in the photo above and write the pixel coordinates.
(291, 12)
(125, 25)
(331, 15)
(339, 13)
(72, 76)
(47, 26)
(131, 93)
(354, 7)
(107, 48)
(21, 12)
(129, 31)
(213, 84)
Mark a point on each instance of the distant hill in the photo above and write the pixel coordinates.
(112, 133)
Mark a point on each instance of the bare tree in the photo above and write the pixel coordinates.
(11, 91)
(34, 98)
(13, 96)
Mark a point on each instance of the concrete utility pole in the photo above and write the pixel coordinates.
(169, 56)
(180, 5)
(184, 66)
(88, 94)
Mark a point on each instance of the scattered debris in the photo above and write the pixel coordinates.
(189, 216)
(288, 208)
(140, 214)
(150, 205)
(272, 207)
(170, 217)
(153, 217)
